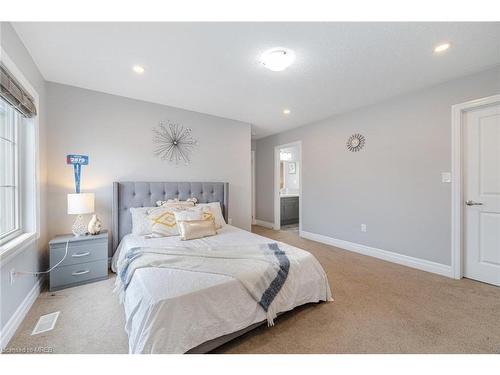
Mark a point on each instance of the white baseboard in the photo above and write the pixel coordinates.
(263, 223)
(16, 319)
(405, 260)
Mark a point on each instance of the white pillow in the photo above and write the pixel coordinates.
(189, 214)
(141, 225)
(216, 211)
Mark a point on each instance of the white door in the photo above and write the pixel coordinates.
(482, 194)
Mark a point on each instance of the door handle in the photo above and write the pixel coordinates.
(78, 255)
(472, 203)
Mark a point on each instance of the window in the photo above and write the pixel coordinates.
(19, 188)
(10, 213)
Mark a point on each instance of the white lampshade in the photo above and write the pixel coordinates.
(79, 204)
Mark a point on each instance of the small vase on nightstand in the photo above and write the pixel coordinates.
(95, 225)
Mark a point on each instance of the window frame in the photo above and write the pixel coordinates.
(18, 172)
(28, 178)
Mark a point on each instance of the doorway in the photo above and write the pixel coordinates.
(476, 190)
(288, 187)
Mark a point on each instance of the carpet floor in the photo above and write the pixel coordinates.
(379, 307)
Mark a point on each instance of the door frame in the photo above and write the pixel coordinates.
(252, 156)
(277, 202)
(457, 181)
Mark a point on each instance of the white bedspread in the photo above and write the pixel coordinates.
(172, 311)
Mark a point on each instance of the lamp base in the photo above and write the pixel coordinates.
(79, 228)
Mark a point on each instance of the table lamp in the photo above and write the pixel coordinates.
(80, 204)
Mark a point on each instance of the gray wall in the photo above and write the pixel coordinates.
(393, 185)
(116, 133)
(32, 257)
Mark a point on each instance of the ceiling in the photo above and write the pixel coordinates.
(213, 67)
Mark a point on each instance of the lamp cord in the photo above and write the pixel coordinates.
(49, 270)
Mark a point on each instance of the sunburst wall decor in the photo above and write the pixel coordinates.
(174, 143)
(355, 142)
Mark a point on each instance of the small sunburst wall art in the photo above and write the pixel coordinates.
(355, 142)
(174, 143)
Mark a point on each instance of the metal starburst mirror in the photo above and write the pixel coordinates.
(355, 142)
(174, 143)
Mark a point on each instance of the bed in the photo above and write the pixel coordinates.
(178, 311)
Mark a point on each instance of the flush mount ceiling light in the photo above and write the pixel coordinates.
(138, 69)
(277, 59)
(286, 111)
(442, 47)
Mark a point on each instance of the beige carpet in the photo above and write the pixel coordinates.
(379, 307)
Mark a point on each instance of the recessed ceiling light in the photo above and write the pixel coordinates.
(442, 47)
(138, 69)
(277, 59)
(286, 111)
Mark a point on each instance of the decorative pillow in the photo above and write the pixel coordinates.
(189, 214)
(141, 225)
(213, 209)
(176, 203)
(190, 230)
(208, 215)
(163, 223)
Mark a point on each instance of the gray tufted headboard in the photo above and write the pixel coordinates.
(145, 194)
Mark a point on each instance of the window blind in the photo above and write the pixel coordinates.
(14, 94)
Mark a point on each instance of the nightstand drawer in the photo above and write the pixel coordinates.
(67, 276)
(79, 252)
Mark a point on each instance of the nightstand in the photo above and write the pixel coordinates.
(86, 262)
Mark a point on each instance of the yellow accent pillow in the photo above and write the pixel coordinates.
(213, 211)
(163, 223)
(208, 215)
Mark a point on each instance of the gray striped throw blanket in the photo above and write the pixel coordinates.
(262, 269)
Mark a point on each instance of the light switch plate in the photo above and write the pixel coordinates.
(446, 177)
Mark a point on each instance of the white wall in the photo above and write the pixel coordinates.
(32, 257)
(393, 185)
(116, 133)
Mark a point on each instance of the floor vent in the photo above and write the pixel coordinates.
(46, 323)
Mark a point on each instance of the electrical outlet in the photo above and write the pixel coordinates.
(363, 227)
(12, 276)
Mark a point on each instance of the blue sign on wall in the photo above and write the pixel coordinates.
(77, 161)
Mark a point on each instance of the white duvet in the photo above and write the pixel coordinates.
(172, 311)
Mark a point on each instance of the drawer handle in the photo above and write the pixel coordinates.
(79, 255)
(78, 273)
